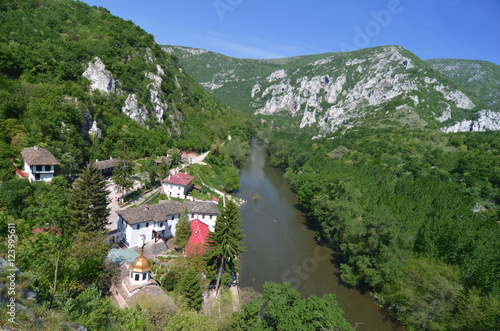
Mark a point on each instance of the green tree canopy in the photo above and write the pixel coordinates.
(88, 202)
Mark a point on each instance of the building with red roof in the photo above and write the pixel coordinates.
(177, 184)
(198, 237)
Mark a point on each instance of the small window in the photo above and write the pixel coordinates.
(210, 216)
(137, 276)
(203, 216)
(39, 168)
(144, 275)
(161, 224)
(170, 227)
(192, 215)
(138, 226)
(147, 224)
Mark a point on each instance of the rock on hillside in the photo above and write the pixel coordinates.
(380, 86)
(479, 78)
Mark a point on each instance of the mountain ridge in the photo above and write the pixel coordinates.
(363, 90)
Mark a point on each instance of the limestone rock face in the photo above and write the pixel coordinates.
(460, 99)
(132, 110)
(160, 106)
(487, 120)
(100, 77)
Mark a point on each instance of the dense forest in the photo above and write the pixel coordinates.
(45, 47)
(415, 214)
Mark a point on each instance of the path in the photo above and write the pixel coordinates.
(113, 205)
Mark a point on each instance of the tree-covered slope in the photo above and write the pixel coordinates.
(382, 86)
(64, 64)
(480, 78)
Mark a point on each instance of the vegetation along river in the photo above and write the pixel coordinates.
(281, 247)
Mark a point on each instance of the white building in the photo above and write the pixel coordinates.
(204, 211)
(177, 185)
(140, 271)
(138, 226)
(95, 131)
(39, 164)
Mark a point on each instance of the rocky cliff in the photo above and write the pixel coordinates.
(380, 86)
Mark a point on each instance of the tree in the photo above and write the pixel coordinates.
(162, 170)
(225, 242)
(190, 287)
(182, 231)
(89, 199)
(122, 174)
(231, 179)
(150, 171)
(283, 309)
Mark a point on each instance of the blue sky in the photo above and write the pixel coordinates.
(275, 28)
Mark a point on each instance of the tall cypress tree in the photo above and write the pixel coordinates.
(190, 287)
(88, 202)
(224, 243)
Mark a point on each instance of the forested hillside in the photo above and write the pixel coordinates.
(46, 46)
(415, 214)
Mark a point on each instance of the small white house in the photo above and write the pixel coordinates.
(95, 131)
(39, 164)
(177, 185)
(138, 226)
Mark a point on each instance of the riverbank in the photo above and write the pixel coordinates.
(281, 246)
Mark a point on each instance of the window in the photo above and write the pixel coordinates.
(144, 275)
(203, 216)
(192, 215)
(48, 168)
(172, 217)
(137, 276)
(170, 227)
(147, 224)
(38, 168)
(161, 224)
(211, 216)
(138, 226)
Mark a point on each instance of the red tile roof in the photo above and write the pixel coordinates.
(179, 178)
(47, 229)
(198, 237)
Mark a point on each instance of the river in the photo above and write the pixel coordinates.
(281, 247)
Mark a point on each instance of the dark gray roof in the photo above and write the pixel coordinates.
(158, 160)
(106, 164)
(201, 207)
(38, 156)
(156, 213)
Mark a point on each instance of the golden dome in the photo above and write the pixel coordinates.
(141, 264)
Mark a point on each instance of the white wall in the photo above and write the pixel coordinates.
(208, 219)
(132, 235)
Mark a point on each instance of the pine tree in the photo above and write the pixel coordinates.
(122, 174)
(224, 243)
(163, 169)
(88, 202)
(190, 287)
(182, 230)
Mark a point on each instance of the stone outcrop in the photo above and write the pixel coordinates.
(459, 98)
(487, 120)
(134, 111)
(101, 79)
